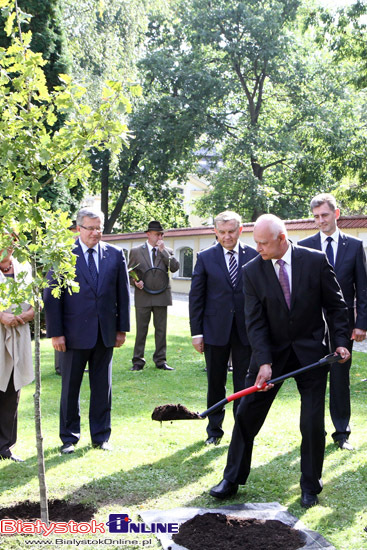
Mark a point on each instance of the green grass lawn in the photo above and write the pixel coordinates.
(154, 466)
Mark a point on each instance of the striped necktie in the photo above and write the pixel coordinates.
(232, 267)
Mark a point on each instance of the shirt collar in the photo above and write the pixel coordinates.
(235, 249)
(287, 257)
(334, 236)
(150, 247)
(85, 248)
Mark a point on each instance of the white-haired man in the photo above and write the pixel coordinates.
(286, 290)
(216, 309)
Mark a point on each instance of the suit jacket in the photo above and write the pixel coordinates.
(351, 272)
(164, 260)
(273, 328)
(79, 316)
(213, 301)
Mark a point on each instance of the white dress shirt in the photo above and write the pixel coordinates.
(235, 255)
(150, 248)
(334, 242)
(85, 249)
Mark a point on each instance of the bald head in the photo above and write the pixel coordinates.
(271, 237)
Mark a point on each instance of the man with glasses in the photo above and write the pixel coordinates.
(86, 326)
(153, 253)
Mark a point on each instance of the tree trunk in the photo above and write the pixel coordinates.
(37, 404)
(105, 177)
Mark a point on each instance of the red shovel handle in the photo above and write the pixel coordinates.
(331, 358)
(241, 393)
(237, 395)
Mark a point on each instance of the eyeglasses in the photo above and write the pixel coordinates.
(90, 228)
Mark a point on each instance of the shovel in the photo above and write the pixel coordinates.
(179, 412)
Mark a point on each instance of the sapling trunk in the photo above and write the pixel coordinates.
(37, 402)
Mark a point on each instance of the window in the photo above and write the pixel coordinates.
(186, 262)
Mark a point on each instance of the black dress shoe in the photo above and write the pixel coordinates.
(67, 448)
(104, 446)
(213, 440)
(308, 500)
(344, 444)
(136, 367)
(164, 366)
(14, 458)
(224, 489)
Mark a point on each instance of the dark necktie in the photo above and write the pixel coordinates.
(233, 269)
(154, 255)
(284, 282)
(330, 251)
(93, 268)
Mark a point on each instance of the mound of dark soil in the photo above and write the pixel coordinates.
(59, 510)
(221, 532)
(173, 412)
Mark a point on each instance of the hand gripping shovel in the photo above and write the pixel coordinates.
(179, 412)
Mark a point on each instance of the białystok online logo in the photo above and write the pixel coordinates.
(121, 523)
(117, 523)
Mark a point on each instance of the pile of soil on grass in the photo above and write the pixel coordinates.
(221, 532)
(173, 412)
(58, 510)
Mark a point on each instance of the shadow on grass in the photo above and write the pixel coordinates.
(17, 474)
(130, 487)
(278, 480)
(135, 486)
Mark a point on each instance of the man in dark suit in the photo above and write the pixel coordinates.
(86, 326)
(216, 309)
(153, 253)
(347, 256)
(286, 290)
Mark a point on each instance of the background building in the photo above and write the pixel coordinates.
(187, 242)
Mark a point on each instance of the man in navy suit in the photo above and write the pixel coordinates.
(86, 326)
(347, 256)
(287, 288)
(216, 309)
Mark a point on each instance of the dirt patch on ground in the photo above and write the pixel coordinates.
(173, 412)
(221, 532)
(59, 510)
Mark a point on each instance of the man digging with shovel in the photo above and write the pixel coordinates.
(286, 289)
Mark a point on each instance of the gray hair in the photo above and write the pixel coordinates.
(88, 212)
(275, 224)
(322, 199)
(228, 216)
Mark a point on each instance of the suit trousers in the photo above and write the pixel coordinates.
(339, 389)
(73, 363)
(252, 413)
(216, 358)
(143, 315)
(339, 398)
(9, 400)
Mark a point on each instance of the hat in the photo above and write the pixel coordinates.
(154, 226)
